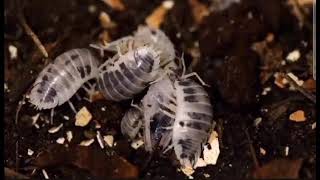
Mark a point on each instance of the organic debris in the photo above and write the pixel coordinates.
(115, 4)
(298, 116)
(279, 169)
(156, 18)
(89, 158)
(83, 117)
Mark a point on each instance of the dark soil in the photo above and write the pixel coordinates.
(227, 63)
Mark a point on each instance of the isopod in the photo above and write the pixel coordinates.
(60, 80)
(131, 122)
(124, 76)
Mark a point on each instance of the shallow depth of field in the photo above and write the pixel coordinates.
(256, 55)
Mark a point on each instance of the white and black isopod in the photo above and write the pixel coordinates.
(131, 122)
(126, 75)
(60, 80)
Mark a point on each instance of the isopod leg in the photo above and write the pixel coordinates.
(136, 106)
(90, 90)
(78, 97)
(72, 107)
(197, 76)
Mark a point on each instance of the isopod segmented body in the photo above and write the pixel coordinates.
(131, 123)
(123, 77)
(159, 106)
(60, 80)
(193, 123)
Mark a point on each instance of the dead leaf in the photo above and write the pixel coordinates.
(199, 10)
(279, 168)
(92, 159)
(156, 18)
(310, 85)
(115, 4)
(298, 116)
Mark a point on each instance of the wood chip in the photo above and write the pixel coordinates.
(55, 129)
(137, 143)
(45, 174)
(293, 56)
(86, 142)
(156, 18)
(83, 117)
(13, 52)
(263, 151)
(310, 85)
(211, 153)
(109, 140)
(69, 136)
(280, 80)
(100, 140)
(199, 10)
(105, 20)
(115, 4)
(298, 116)
(60, 140)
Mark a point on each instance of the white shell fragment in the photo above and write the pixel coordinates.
(13, 52)
(60, 140)
(293, 56)
(109, 140)
(211, 154)
(86, 142)
(69, 136)
(30, 152)
(263, 151)
(83, 117)
(137, 143)
(100, 140)
(314, 125)
(45, 174)
(55, 129)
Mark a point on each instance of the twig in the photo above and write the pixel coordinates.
(252, 151)
(300, 89)
(13, 174)
(33, 36)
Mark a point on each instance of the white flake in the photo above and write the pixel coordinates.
(69, 136)
(100, 140)
(45, 174)
(60, 140)
(293, 56)
(55, 129)
(13, 52)
(30, 152)
(86, 142)
(137, 143)
(109, 140)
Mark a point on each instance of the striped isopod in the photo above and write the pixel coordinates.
(60, 80)
(193, 123)
(159, 106)
(148, 36)
(124, 76)
(131, 122)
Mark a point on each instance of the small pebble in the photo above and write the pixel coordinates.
(109, 140)
(60, 140)
(69, 136)
(30, 152)
(293, 56)
(13, 52)
(137, 143)
(45, 174)
(86, 142)
(55, 129)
